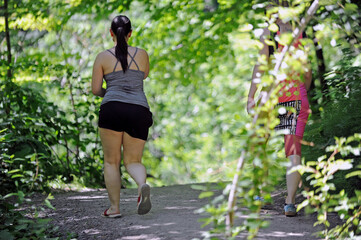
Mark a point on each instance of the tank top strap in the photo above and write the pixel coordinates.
(133, 60)
(111, 53)
(116, 64)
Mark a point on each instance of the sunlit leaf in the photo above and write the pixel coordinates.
(206, 194)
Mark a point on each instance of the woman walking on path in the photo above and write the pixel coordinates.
(293, 94)
(124, 116)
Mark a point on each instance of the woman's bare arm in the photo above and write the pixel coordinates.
(97, 77)
(257, 72)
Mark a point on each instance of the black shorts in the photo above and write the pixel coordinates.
(125, 117)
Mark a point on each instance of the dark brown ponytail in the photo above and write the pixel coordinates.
(121, 27)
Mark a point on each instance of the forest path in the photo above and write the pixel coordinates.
(172, 216)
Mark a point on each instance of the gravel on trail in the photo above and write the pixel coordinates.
(173, 216)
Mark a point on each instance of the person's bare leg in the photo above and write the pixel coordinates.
(133, 152)
(138, 172)
(112, 142)
(293, 179)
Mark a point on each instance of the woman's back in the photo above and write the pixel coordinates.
(125, 86)
(141, 60)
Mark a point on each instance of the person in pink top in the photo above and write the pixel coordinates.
(293, 94)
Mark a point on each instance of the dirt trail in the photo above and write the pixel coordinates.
(172, 216)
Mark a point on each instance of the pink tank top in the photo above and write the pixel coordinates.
(291, 89)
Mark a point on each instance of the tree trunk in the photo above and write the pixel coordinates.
(321, 67)
(7, 37)
(72, 99)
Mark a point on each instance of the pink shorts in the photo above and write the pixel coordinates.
(294, 121)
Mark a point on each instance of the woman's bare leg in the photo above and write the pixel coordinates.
(293, 179)
(133, 152)
(112, 143)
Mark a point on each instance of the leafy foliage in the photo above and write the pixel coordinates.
(339, 114)
(19, 175)
(323, 200)
(15, 225)
(202, 53)
(29, 127)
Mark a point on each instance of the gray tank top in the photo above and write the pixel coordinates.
(125, 87)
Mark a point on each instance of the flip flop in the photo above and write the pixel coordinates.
(113, 215)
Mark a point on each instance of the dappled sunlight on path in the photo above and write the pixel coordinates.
(172, 216)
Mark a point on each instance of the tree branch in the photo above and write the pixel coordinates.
(233, 195)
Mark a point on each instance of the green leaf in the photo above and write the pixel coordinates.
(21, 196)
(354, 174)
(50, 197)
(10, 195)
(351, 8)
(206, 194)
(21, 227)
(344, 165)
(265, 224)
(327, 2)
(356, 221)
(17, 176)
(285, 38)
(302, 205)
(270, 43)
(48, 204)
(14, 171)
(5, 234)
(273, 27)
(358, 194)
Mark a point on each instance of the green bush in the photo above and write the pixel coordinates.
(15, 224)
(338, 114)
(324, 197)
(29, 127)
(19, 176)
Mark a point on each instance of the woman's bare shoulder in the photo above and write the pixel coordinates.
(103, 55)
(142, 52)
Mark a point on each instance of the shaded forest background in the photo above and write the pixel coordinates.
(202, 53)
